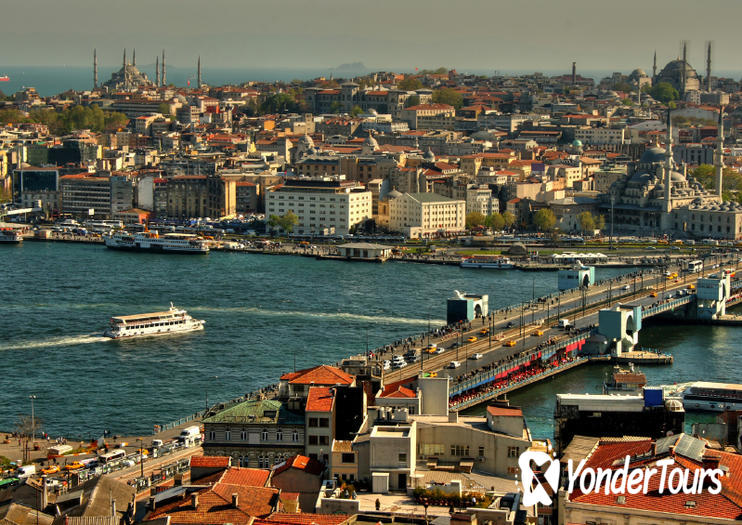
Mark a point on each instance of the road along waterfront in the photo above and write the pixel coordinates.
(262, 313)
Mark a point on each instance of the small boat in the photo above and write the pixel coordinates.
(624, 380)
(487, 262)
(10, 236)
(170, 322)
(5, 78)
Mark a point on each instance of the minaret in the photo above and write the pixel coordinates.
(684, 71)
(124, 58)
(668, 165)
(719, 161)
(157, 70)
(95, 69)
(654, 67)
(164, 69)
(574, 73)
(708, 67)
(134, 57)
(199, 73)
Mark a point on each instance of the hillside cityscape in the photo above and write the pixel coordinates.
(619, 199)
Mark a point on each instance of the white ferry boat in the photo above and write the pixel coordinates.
(152, 241)
(487, 262)
(173, 321)
(712, 397)
(10, 236)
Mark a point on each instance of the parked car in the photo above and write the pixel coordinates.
(454, 364)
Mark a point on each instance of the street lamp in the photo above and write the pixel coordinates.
(141, 458)
(33, 419)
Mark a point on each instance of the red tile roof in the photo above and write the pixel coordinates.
(309, 465)
(211, 461)
(397, 391)
(319, 375)
(215, 505)
(504, 411)
(248, 477)
(320, 399)
(726, 505)
(305, 518)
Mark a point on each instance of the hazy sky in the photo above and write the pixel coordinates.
(383, 34)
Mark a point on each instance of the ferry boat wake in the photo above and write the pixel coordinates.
(170, 322)
(68, 340)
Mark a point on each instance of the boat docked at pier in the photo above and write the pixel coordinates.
(487, 262)
(152, 241)
(624, 381)
(170, 322)
(712, 397)
(10, 236)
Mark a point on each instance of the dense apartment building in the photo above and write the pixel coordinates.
(350, 94)
(322, 204)
(86, 196)
(255, 433)
(424, 214)
(186, 196)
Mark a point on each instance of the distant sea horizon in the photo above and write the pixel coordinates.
(51, 80)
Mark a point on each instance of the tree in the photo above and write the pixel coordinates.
(474, 219)
(285, 222)
(335, 107)
(356, 110)
(664, 92)
(448, 96)
(279, 103)
(164, 108)
(509, 219)
(600, 222)
(494, 221)
(12, 116)
(544, 219)
(410, 84)
(586, 221)
(414, 100)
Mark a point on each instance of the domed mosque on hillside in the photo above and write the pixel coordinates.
(128, 77)
(680, 75)
(659, 197)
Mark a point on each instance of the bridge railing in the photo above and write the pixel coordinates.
(669, 305)
(488, 376)
(474, 400)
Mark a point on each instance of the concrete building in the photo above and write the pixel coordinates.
(424, 214)
(600, 136)
(322, 204)
(85, 196)
(479, 199)
(319, 416)
(255, 433)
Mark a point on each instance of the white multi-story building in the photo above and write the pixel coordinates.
(479, 199)
(423, 214)
(600, 136)
(322, 204)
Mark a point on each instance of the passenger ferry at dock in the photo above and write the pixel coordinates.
(10, 236)
(712, 397)
(173, 321)
(487, 262)
(152, 241)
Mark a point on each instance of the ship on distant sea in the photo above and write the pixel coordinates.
(4, 78)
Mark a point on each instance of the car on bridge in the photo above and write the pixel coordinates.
(472, 339)
(52, 469)
(75, 465)
(484, 331)
(538, 333)
(510, 343)
(454, 364)
(476, 357)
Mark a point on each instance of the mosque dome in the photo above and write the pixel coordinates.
(307, 141)
(429, 156)
(393, 194)
(677, 177)
(675, 72)
(653, 155)
(637, 74)
(371, 142)
(577, 143)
